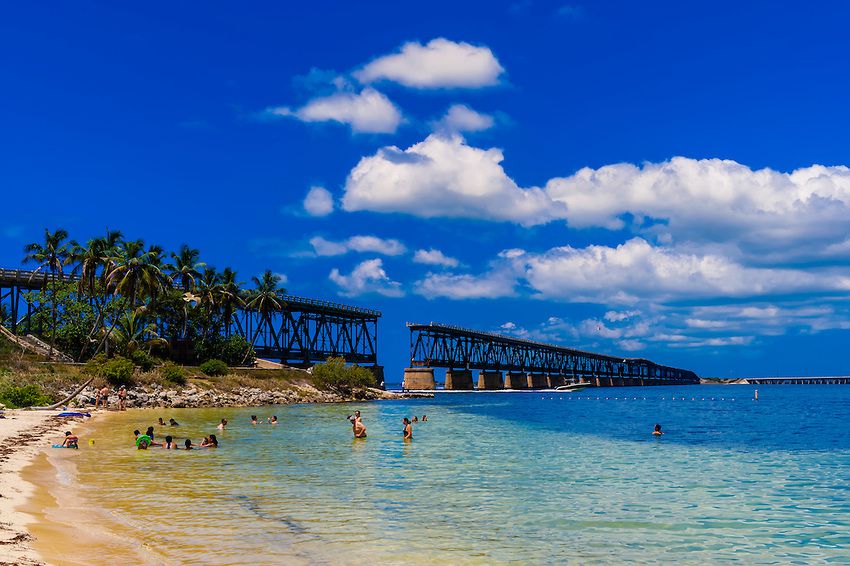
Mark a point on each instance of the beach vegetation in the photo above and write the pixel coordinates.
(172, 373)
(127, 296)
(335, 375)
(213, 368)
(17, 396)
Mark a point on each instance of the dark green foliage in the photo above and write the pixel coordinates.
(213, 368)
(234, 351)
(117, 370)
(22, 396)
(335, 375)
(143, 360)
(172, 373)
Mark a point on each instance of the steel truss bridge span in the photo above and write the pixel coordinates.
(305, 331)
(461, 349)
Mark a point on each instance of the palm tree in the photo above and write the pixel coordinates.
(134, 330)
(186, 267)
(93, 257)
(51, 255)
(265, 299)
(230, 297)
(136, 273)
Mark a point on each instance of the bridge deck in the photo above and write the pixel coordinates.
(457, 348)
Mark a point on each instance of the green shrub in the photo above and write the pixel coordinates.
(94, 366)
(172, 373)
(213, 368)
(334, 375)
(118, 371)
(234, 351)
(143, 360)
(29, 395)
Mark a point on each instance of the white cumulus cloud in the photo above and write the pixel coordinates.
(636, 270)
(368, 111)
(318, 202)
(461, 118)
(440, 63)
(443, 176)
(324, 247)
(434, 257)
(492, 285)
(367, 277)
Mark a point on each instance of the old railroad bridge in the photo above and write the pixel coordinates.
(307, 331)
(511, 363)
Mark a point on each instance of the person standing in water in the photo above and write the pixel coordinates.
(357, 427)
(122, 398)
(169, 443)
(222, 424)
(408, 429)
(657, 431)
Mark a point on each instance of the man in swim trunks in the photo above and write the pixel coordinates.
(122, 398)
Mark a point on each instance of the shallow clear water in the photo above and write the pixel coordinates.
(491, 478)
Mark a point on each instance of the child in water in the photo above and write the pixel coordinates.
(169, 443)
(70, 440)
(188, 444)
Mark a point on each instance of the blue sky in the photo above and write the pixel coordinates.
(658, 179)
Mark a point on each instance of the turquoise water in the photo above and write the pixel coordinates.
(494, 478)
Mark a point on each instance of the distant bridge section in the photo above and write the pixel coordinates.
(528, 364)
(831, 380)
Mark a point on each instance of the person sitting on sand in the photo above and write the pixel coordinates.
(70, 440)
(657, 431)
(222, 424)
(122, 398)
(253, 419)
(170, 444)
(188, 444)
(172, 422)
(408, 429)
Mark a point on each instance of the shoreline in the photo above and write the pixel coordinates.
(25, 463)
(23, 437)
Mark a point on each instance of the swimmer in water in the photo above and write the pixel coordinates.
(188, 444)
(657, 431)
(161, 422)
(424, 418)
(416, 419)
(253, 419)
(172, 422)
(222, 424)
(408, 429)
(150, 432)
(170, 444)
(274, 419)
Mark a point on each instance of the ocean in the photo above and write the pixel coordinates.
(490, 478)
